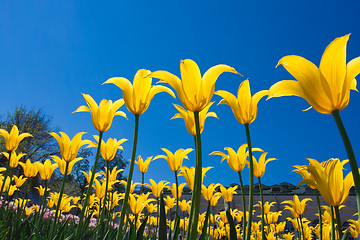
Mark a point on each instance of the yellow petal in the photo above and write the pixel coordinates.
(191, 80)
(333, 63)
(82, 109)
(212, 75)
(353, 69)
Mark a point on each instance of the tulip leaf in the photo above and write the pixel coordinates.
(140, 232)
(204, 229)
(233, 235)
(346, 234)
(176, 228)
(162, 220)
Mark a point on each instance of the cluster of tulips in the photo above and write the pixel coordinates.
(103, 213)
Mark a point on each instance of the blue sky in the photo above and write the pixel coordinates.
(52, 51)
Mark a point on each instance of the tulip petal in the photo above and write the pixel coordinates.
(126, 87)
(191, 80)
(212, 74)
(333, 64)
(353, 69)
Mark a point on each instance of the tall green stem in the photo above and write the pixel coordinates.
(338, 221)
(351, 156)
(302, 227)
(320, 215)
(59, 200)
(177, 195)
(142, 183)
(128, 183)
(106, 191)
(196, 193)
(332, 223)
(89, 189)
(243, 202)
(251, 189)
(262, 211)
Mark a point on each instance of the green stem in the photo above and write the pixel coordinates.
(302, 228)
(4, 180)
(196, 193)
(89, 190)
(332, 223)
(320, 216)
(142, 183)
(251, 189)
(128, 183)
(59, 200)
(299, 231)
(177, 195)
(157, 216)
(351, 156)
(262, 211)
(106, 191)
(338, 221)
(243, 202)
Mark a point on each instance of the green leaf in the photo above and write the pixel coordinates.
(140, 232)
(162, 220)
(204, 229)
(233, 235)
(176, 228)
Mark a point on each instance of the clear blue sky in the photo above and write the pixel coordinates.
(52, 51)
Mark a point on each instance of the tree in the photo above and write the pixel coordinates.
(42, 145)
(37, 148)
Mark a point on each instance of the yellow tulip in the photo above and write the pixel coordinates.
(195, 92)
(99, 189)
(329, 180)
(13, 138)
(62, 164)
(259, 167)
(214, 200)
(227, 193)
(132, 187)
(41, 190)
(354, 228)
(19, 181)
(236, 160)
(14, 158)
(173, 189)
(208, 192)
(109, 148)
(156, 189)
(267, 206)
(184, 205)
(137, 205)
(169, 201)
(112, 174)
(137, 96)
(151, 208)
(244, 106)
(189, 118)
(296, 207)
(326, 88)
(12, 189)
(28, 211)
(30, 169)
(143, 165)
(188, 174)
(69, 149)
(75, 200)
(102, 115)
(46, 170)
(175, 160)
(305, 174)
(88, 175)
